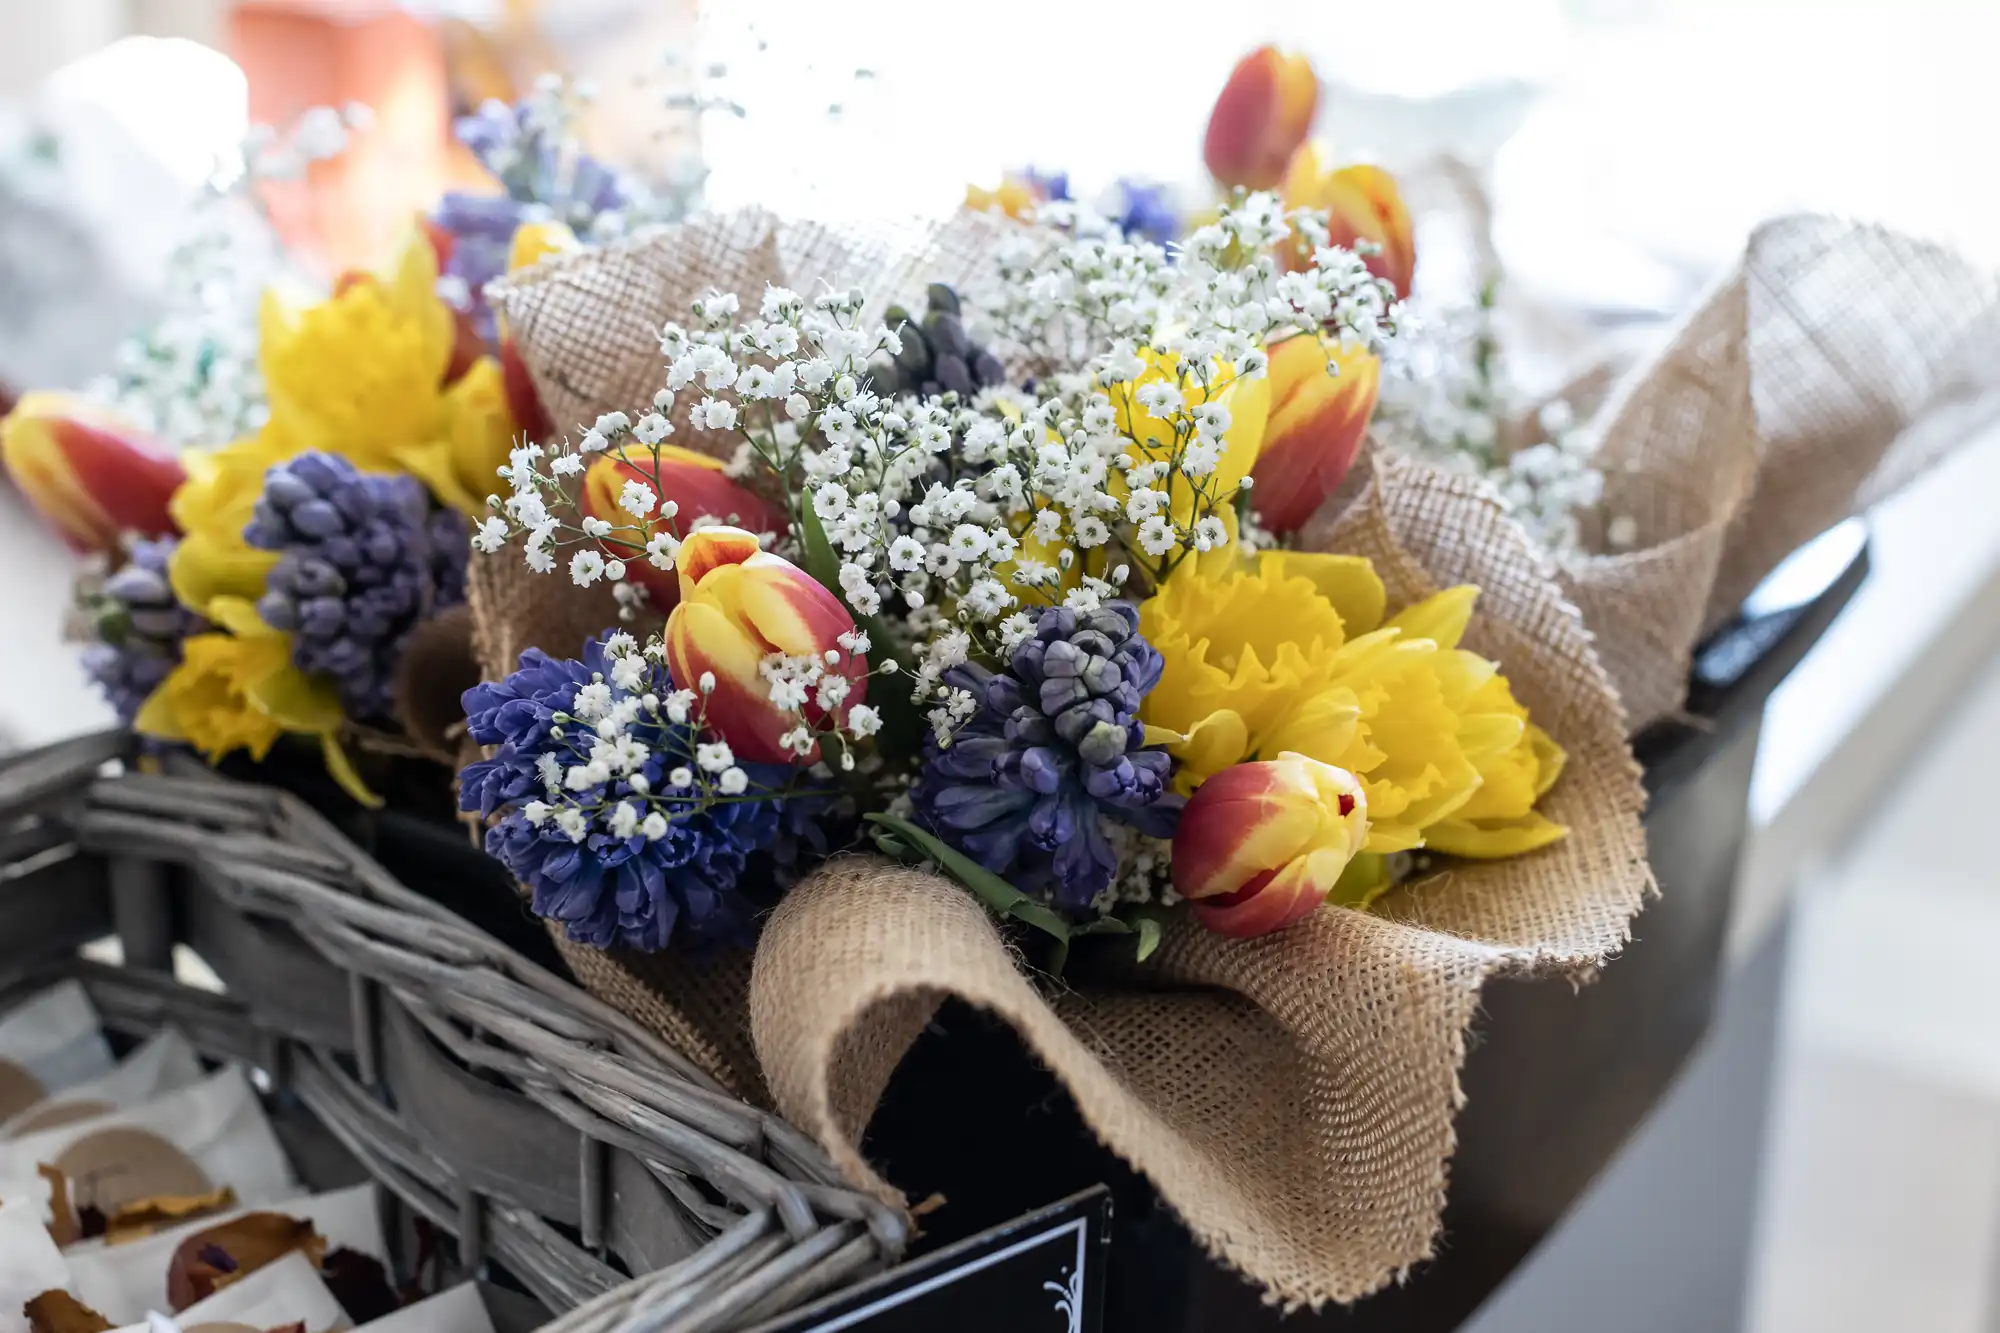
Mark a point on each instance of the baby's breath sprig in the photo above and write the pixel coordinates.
(943, 522)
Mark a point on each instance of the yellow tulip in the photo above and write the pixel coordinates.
(1362, 203)
(1262, 115)
(1318, 418)
(88, 474)
(1247, 400)
(738, 605)
(1263, 844)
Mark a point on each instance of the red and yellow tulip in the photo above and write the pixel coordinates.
(1322, 397)
(1362, 203)
(87, 474)
(1262, 844)
(695, 483)
(738, 605)
(1261, 117)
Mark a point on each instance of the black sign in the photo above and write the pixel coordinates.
(1043, 1272)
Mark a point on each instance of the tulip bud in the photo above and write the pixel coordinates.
(533, 242)
(1261, 117)
(738, 605)
(1362, 203)
(696, 485)
(1316, 425)
(1260, 845)
(88, 475)
(524, 404)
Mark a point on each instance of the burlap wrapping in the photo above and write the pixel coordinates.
(1833, 364)
(1293, 1097)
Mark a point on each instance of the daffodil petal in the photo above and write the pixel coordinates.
(1493, 840)
(342, 770)
(1441, 618)
(297, 702)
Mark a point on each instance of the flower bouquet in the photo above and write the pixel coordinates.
(275, 487)
(990, 610)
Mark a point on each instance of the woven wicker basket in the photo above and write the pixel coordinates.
(502, 1104)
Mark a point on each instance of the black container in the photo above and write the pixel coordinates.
(1556, 1080)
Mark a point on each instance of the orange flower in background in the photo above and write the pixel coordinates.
(91, 477)
(1317, 422)
(1260, 845)
(1362, 203)
(693, 483)
(739, 604)
(1261, 117)
(1019, 194)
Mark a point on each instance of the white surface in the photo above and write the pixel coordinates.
(288, 1291)
(217, 1123)
(163, 1063)
(55, 1035)
(1841, 729)
(44, 696)
(1881, 1205)
(30, 1263)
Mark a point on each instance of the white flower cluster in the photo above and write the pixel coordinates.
(1449, 401)
(611, 732)
(813, 693)
(950, 519)
(1145, 868)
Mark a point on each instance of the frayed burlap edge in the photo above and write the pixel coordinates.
(1829, 368)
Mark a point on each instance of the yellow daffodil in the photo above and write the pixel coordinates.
(206, 701)
(236, 689)
(362, 374)
(211, 509)
(1289, 652)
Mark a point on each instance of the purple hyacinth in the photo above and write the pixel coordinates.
(139, 626)
(634, 890)
(362, 560)
(1056, 744)
(1146, 209)
(546, 176)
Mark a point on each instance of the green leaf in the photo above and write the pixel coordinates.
(1000, 897)
(1365, 879)
(1141, 923)
(821, 562)
(1149, 936)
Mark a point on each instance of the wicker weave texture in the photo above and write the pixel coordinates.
(437, 1056)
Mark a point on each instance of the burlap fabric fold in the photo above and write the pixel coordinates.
(1828, 368)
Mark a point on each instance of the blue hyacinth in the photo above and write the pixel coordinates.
(546, 176)
(139, 626)
(637, 887)
(1146, 209)
(363, 559)
(1055, 746)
